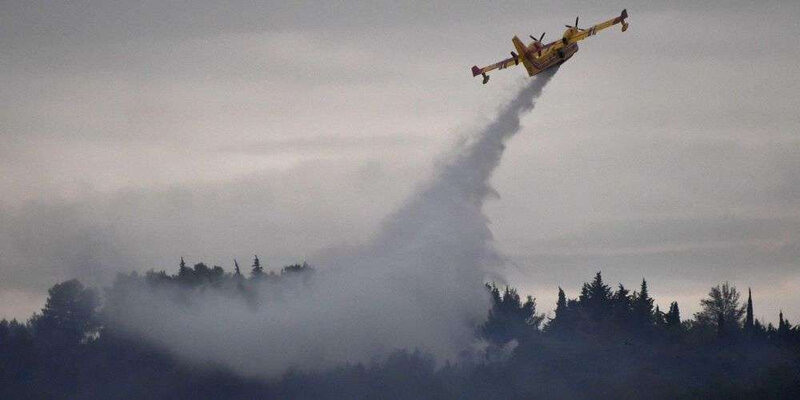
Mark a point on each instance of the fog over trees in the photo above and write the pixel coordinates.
(606, 343)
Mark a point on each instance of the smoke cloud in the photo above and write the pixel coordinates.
(417, 284)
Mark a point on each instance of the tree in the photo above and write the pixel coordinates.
(509, 318)
(642, 306)
(673, 317)
(721, 328)
(621, 305)
(748, 321)
(783, 325)
(659, 317)
(296, 268)
(759, 328)
(596, 297)
(257, 270)
(4, 331)
(186, 275)
(201, 270)
(722, 304)
(559, 320)
(69, 315)
(237, 272)
(561, 304)
(183, 270)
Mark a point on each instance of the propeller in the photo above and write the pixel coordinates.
(576, 24)
(539, 40)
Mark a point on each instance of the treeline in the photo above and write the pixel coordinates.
(606, 343)
(600, 311)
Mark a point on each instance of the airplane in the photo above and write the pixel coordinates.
(537, 57)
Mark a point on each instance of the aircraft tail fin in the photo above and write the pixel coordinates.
(523, 55)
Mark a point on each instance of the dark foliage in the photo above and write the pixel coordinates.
(603, 344)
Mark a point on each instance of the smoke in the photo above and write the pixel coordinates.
(418, 284)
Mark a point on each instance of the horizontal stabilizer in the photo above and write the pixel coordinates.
(622, 19)
(475, 70)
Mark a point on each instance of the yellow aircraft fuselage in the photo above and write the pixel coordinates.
(537, 57)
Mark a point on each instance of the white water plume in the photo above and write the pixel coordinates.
(417, 285)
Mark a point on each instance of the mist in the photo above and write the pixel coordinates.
(418, 284)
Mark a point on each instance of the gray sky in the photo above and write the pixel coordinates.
(133, 133)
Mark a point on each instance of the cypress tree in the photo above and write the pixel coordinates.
(559, 320)
(748, 322)
(237, 271)
(783, 327)
(561, 304)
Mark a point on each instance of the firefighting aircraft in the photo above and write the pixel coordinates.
(537, 57)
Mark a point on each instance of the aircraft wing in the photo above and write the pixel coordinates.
(591, 31)
(508, 62)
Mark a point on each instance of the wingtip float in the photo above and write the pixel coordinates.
(537, 57)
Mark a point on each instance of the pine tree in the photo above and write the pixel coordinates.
(621, 305)
(237, 271)
(596, 297)
(721, 299)
(257, 270)
(69, 315)
(598, 290)
(584, 296)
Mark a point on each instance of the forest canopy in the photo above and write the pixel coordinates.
(606, 343)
